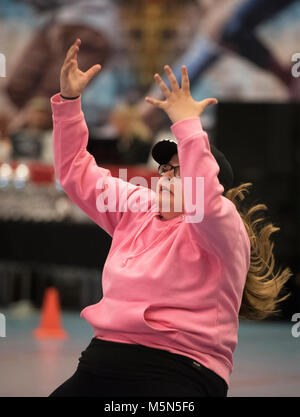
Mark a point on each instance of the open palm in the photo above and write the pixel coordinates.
(72, 80)
(179, 103)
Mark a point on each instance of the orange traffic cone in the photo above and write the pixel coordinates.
(50, 325)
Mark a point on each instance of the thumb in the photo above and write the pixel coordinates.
(90, 73)
(208, 102)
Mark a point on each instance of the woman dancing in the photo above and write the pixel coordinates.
(178, 275)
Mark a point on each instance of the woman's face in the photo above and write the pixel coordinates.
(170, 193)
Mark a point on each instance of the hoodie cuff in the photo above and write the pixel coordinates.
(65, 109)
(187, 127)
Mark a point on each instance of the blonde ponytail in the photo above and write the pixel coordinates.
(264, 281)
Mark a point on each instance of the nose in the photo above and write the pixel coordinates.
(169, 174)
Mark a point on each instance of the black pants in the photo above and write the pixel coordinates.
(109, 369)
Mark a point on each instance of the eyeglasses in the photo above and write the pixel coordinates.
(167, 167)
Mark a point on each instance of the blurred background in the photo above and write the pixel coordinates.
(242, 52)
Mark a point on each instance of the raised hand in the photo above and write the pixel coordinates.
(72, 80)
(179, 103)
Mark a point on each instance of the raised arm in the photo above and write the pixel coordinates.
(102, 197)
(215, 222)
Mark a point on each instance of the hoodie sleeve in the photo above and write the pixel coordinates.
(213, 220)
(102, 197)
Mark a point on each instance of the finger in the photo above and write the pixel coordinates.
(75, 55)
(208, 102)
(185, 81)
(70, 56)
(90, 73)
(173, 82)
(66, 68)
(155, 102)
(72, 64)
(73, 49)
(164, 89)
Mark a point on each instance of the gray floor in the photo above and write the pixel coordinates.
(266, 361)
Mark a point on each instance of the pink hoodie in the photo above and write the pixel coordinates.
(175, 285)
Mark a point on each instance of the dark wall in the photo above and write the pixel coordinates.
(261, 140)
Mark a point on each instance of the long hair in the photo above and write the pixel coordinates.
(265, 281)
